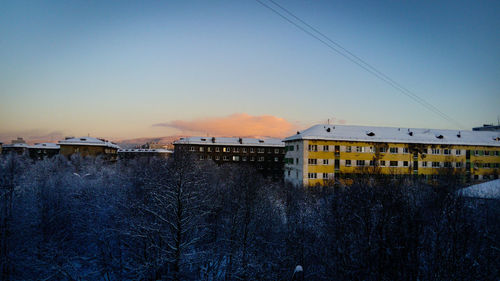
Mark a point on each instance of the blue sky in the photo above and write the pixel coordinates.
(115, 68)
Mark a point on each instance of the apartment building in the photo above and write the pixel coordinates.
(144, 153)
(40, 151)
(18, 146)
(266, 155)
(324, 153)
(89, 146)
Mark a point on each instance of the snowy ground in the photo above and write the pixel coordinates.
(487, 190)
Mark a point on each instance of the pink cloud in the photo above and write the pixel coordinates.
(238, 124)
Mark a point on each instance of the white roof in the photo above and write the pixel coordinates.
(88, 141)
(397, 135)
(231, 141)
(151, 150)
(487, 190)
(25, 145)
(45, 145)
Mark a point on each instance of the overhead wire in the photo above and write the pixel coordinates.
(339, 49)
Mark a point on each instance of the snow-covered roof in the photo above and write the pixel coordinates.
(45, 145)
(151, 150)
(13, 145)
(88, 141)
(231, 141)
(397, 135)
(486, 190)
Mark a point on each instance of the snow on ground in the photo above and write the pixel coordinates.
(486, 190)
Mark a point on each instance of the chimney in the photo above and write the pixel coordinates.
(240, 141)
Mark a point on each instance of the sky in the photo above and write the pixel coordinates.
(127, 69)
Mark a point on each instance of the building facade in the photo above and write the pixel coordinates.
(89, 146)
(266, 155)
(143, 153)
(326, 153)
(18, 146)
(41, 151)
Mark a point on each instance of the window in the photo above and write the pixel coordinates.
(372, 163)
(424, 164)
(325, 175)
(276, 150)
(435, 151)
(217, 157)
(209, 149)
(297, 161)
(290, 148)
(276, 159)
(297, 147)
(191, 148)
(371, 149)
(209, 157)
(268, 150)
(360, 149)
(202, 157)
(312, 161)
(217, 149)
(382, 149)
(325, 147)
(236, 158)
(252, 158)
(225, 158)
(244, 150)
(348, 163)
(236, 149)
(393, 150)
(435, 164)
(393, 163)
(288, 172)
(382, 163)
(261, 150)
(446, 151)
(487, 153)
(406, 150)
(325, 161)
(476, 152)
(348, 149)
(405, 163)
(458, 152)
(312, 175)
(497, 153)
(458, 165)
(252, 150)
(313, 147)
(261, 158)
(486, 165)
(360, 162)
(447, 164)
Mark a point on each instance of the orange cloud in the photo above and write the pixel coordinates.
(238, 124)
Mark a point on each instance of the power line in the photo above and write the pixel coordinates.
(331, 44)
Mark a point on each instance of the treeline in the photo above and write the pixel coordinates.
(177, 219)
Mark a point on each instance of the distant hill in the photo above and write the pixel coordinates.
(166, 141)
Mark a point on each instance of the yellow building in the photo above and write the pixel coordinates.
(88, 146)
(324, 153)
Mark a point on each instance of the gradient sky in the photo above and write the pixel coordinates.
(125, 69)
